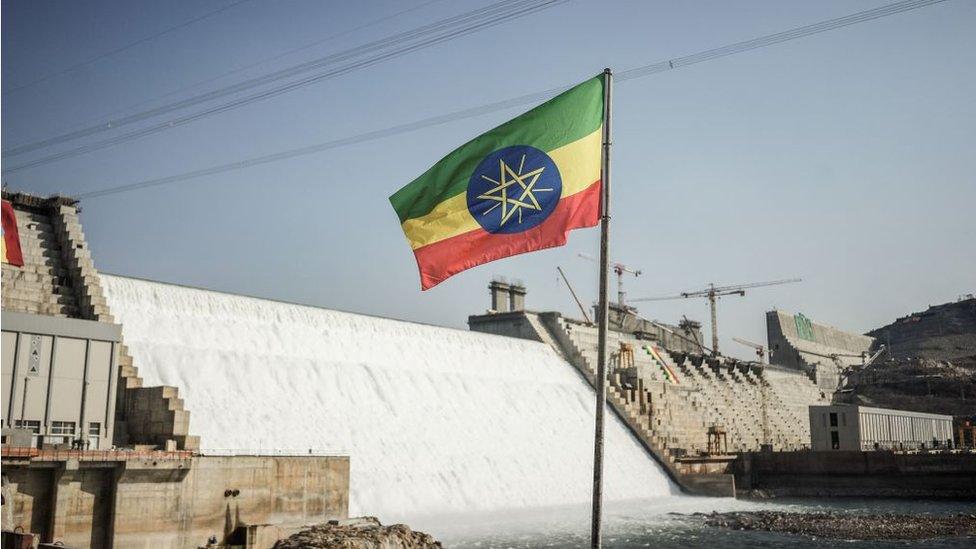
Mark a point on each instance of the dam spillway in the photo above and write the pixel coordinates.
(435, 420)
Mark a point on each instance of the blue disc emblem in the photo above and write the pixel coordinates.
(514, 189)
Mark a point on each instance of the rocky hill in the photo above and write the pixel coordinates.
(929, 364)
(942, 332)
(918, 384)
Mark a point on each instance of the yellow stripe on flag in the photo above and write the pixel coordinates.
(579, 167)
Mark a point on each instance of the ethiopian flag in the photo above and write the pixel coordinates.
(10, 238)
(517, 188)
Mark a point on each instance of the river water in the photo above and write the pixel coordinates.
(668, 522)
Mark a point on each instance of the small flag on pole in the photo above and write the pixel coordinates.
(11, 237)
(518, 188)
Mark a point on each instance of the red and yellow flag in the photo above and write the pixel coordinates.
(11, 237)
(518, 188)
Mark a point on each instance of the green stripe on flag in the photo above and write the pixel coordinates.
(563, 119)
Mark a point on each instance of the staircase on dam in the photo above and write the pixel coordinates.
(671, 400)
(59, 279)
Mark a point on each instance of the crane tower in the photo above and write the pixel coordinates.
(713, 293)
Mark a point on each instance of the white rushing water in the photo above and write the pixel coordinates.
(435, 420)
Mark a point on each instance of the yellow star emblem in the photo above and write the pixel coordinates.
(525, 191)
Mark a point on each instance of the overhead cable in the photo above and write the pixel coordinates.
(251, 65)
(121, 49)
(381, 50)
(631, 74)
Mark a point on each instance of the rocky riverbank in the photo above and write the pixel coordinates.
(358, 533)
(884, 526)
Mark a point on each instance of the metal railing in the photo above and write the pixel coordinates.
(38, 454)
(284, 452)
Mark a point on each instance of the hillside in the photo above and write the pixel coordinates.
(929, 364)
(942, 332)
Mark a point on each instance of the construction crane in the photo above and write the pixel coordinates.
(760, 349)
(848, 371)
(575, 297)
(869, 360)
(712, 293)
(620, 269)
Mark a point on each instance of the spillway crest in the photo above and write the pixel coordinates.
(434, 419)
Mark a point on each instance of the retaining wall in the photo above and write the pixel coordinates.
(172, 503)
(856, 474)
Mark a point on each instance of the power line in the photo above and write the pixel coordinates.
(450, 27)
(629, 74)
(320, 147)
(121, 49)
(777, 38)
(251, 65)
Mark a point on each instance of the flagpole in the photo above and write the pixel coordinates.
(603, 318)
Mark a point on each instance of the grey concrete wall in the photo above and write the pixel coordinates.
(173, 503)
(823, 353)
(59, 279)
(29, 499)
(510, 324)
(857, 474)
(821, 430)
(55, 374)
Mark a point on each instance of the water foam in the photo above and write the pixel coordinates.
(435, 420)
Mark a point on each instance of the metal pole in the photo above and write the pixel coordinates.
(765, 412)
(620, 288)
(603, 318)
(579, 303)
(711, 302)
(13, 382)
(23, 401)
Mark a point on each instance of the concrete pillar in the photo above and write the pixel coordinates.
(499, 296)
(82, 501)
(517, 297)
(640, 393)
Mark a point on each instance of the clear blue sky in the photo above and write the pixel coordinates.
(844, 158)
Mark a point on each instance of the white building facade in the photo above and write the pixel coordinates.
(851, 427)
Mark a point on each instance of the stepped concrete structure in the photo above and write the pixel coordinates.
(145, 485)
(822, 352)
(692, 412)
(59, 279)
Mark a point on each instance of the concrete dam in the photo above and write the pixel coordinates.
(435, 420)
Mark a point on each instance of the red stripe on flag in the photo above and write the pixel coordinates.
(448, 257)
(11, 236)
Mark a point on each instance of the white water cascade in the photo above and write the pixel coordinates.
(435, 420)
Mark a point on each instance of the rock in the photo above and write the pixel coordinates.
(358, 533)
(885, 526)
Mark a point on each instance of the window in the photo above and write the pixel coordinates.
(833, 419)
(62, 427)
(834, 440)
(94, 429)
(30, 425)
(843, 419)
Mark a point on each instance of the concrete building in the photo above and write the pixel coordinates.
(91, 458)
(850, 427)
(59, 379)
